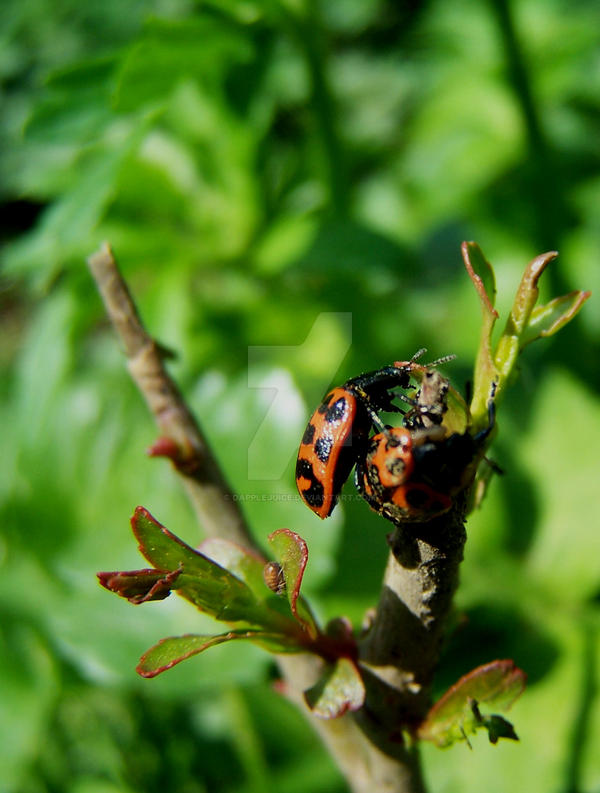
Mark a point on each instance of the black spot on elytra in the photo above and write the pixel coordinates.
(323, 447)
(309, 434)
(337, 411)
(313, 494)
(396, 466)
(324, 406)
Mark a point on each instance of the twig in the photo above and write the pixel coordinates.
(400, 652)
(368, 758)
(218, 513)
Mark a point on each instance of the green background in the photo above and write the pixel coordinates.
(286, 185)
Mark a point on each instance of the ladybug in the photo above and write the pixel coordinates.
(337, 434)
(389, 477)
(413, 475)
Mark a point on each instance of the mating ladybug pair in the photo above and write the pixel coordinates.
(408, 473)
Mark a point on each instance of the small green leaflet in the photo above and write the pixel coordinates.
(168, 652)
(457, 713)
(341, 689)
(291, 552)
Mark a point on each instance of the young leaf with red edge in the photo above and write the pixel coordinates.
(481, 274)
(206, 584)
(456, 714)
(526, 297)
(173, 650)
(341, 689)
(214, 590)
(140, 586)
(291, 551)
(210, 587)
(524, 324)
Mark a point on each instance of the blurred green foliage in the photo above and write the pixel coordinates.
(258, 166)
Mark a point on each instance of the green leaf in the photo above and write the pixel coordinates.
(456, 713)
(341, 689)
(210, 587)
(245, 564)
(175, 50)
(291, 551)
(525, 299)
(171, 651)
(77, 106)
(68, 223)
(548, 319)
(458, 415)
(481, 274)
(528, 292)
(206, 584)
(166, 551)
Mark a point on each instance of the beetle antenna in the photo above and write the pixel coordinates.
(443, 359)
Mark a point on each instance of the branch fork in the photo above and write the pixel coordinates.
(382, 682)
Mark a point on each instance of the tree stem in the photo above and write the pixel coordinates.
(400, 651)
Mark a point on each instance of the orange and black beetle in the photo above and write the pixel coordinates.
(411, 476)
(337, 433)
